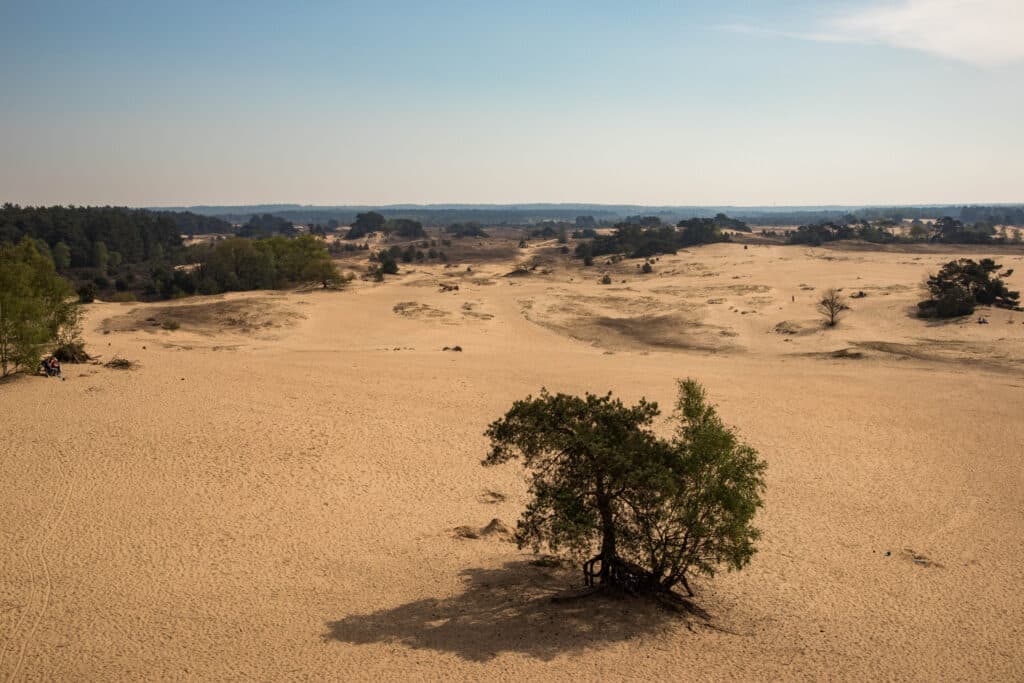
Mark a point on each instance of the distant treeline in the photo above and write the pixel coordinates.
(945, 230)
(123, 254)
(995, 215)
(608, 215)
(79, 237)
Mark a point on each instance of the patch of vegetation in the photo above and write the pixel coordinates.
(405, 228)
(364, 224)
(648, 237)
(119, 363)
(656, 511)
(945, 230)
(237, 264)
(72, 352)
(266, 225)
(961, 285)
(470, 229)
(37, 306)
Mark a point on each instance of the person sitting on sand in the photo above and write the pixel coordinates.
(52, 367)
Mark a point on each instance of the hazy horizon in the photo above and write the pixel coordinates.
(786, 103)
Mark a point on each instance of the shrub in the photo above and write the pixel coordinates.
(647, 267)
(72, 352)
(606, 279)
(87, 293)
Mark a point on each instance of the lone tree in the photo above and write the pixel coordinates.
(831, 306)
(655, 510)
(962, 284)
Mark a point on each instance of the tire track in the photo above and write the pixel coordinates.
(49, 525)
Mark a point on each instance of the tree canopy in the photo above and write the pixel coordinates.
(647, 236)
(240, 264)
(364, 224)
(132, 233)
(470, 229)
(962, 284)
(36, 305)
(655, 510)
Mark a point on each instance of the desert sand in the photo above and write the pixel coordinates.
(274, 491)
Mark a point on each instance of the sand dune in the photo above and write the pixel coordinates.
(273, 492)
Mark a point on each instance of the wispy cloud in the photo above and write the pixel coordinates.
(986, 33)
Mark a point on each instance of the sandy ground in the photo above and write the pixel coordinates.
(272, 493)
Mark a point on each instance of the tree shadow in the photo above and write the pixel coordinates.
(508, 610)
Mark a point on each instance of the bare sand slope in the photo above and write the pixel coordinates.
(278, 498)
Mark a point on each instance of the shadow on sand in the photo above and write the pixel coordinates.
(508, 610)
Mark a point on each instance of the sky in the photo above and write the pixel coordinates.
(756, 102)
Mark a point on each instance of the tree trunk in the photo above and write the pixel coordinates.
(608, 552)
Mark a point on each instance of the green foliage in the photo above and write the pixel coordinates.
(100, 256)
(405, 228)
(131, 232)
(386, 265)
(364, 224)
(646, 236)
(962, 284)
(647, 268)
(62, 256)
(266, 225)
(470, 229)
(36, 306)
(602, 480)
(241, 264)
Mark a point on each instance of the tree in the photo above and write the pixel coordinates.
(962, 284)
(100, 256)
(403, 227)
(62, 256)
(364, 224)
(655, 510)
(36, 305)
(831, 306)
(461, 230)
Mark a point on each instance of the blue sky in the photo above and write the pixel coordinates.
(766, 102)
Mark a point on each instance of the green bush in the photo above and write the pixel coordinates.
(37, 306)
